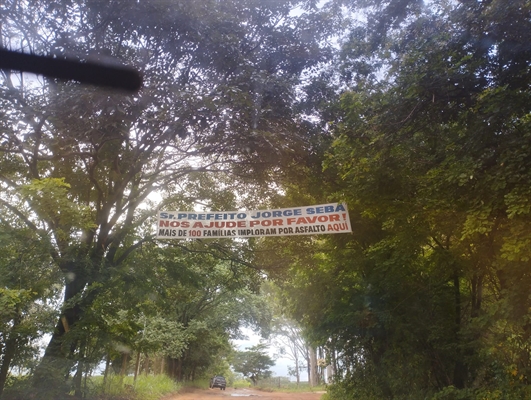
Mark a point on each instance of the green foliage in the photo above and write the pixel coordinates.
(16, 386)
(253, 363)
(162, 335)
(78, 166)
(427, 141)
(430, 294)
(181, 303)
(49, 197)
(150, 387)
(29, 285)
(241, 384)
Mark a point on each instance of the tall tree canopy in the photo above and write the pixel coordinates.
(78, 165)
(431, 152)
(253, 363)
(414, 113)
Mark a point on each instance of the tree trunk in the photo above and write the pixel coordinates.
(331, 368)
(308, 367)
(125, 359)
(460, 371)
(10, 349)
(314, 378)
(146, 364)
(137, 365)
(329, 374)
(106, 373)
(57, 362)
(320, 367)
(180, 369)
(78, 378)
(297, 372)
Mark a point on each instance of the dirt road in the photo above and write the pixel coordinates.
(242, 394)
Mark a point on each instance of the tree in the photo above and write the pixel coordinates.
(77, 164)
(286, 335)
(430, 153)
(182, 304)
(26, 298)
(253, 363)
(434, 164)
(288, 339)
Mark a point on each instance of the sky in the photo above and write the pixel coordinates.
(281, 364)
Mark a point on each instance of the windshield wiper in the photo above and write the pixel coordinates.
(118, 77)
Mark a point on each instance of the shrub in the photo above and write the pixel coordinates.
(150, 387)
(241, 383)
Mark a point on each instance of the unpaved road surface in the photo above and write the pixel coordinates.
(241, 394)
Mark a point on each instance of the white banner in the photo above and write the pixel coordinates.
(321, 219)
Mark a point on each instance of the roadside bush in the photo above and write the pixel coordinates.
(150, 387)
(241, 384)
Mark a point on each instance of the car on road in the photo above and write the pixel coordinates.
(218, 382)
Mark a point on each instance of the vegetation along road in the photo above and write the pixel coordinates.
(339, 186)
(210, 394)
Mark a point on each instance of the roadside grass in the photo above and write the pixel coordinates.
(272, 385)
(241, 384)
(150, 387)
